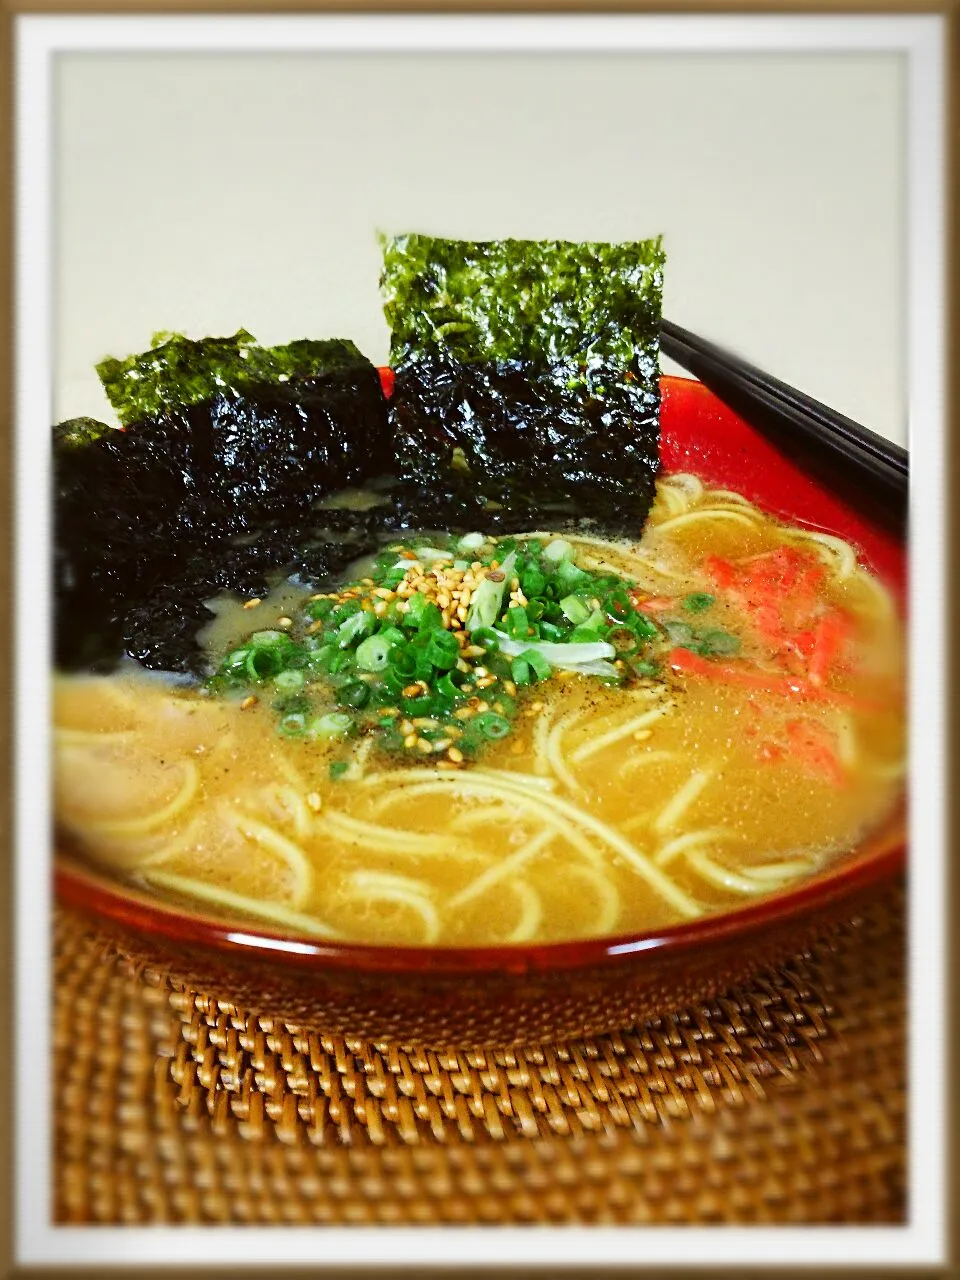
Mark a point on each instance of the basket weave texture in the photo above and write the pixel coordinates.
(782, 1102)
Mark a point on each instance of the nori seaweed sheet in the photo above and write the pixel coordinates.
(178, 371)
(526, 395)
(152, 520)
(527, 371)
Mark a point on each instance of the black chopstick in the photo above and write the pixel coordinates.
(869, 471)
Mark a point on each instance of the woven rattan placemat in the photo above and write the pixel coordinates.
(782, 1102)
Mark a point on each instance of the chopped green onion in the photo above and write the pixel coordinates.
(354, 693)
(338, 768)
(404, 661)
(292, 726)
(373, 654)
(357, 625)
(697, 601)
(538, 663)
(317, 609)
(574, 609)
(720, 642)
(430, 619)
(518, 624)
(268, 639)
(490, 725)
(335, 724)
(289, 681)
(486, 600)
(520, 671)
(487, 637)
(557, 550)
(443, 649)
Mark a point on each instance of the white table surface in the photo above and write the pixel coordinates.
(203, 193)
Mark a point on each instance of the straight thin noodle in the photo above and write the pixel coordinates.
(286, 798)
(555, 755)
(513, 775)
(876, 590)
(840, 555)
(376, 887)
(171, 848)
(371, 835)
(681, 801)
(158, 817)
(629, 726)
(541, 744)
(637, 758)
(618, 843)
(730, 496)
(690, 840)
(721, 876)
(778, 873)
(531, 912)
(610, 903)
(288, 852)
(265, 910)
(516, 798)
(690, 517)
(502, 870)
(690, 486)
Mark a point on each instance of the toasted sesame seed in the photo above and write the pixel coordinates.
(641, 735)
(380, 608)
(425, 746)
(536, 706)
(464, 713)
(315, 801)
(474, 651)
(410, 740)
(441, 744)
(486, 681)
(455, 754)
(252, 604)
(315, 626)
(412, 691)
(462, 612)
(383, 592)
(250, 701)
(510, 687)
(388, 713)
(406, 727)
(481, 671)
(424, 722)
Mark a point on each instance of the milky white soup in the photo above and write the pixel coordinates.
(607, 810)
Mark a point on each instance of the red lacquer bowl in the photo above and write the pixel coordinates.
(510, 995)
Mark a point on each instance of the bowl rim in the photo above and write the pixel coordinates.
(881, 856)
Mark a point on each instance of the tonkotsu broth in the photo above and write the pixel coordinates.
(607, 810)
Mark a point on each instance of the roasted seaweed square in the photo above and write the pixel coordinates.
(530, 368)
(134, 507)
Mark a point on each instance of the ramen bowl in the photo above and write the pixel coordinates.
(485, 996)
